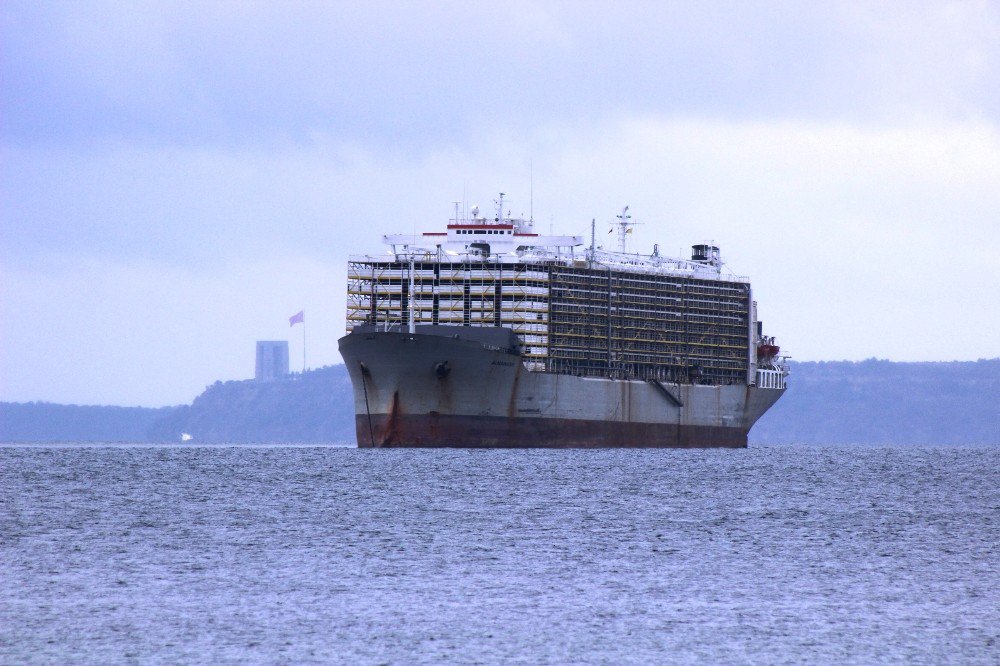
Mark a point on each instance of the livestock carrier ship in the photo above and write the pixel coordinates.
(490, 334)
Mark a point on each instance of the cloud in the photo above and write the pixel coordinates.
(430, 73)
(853, 235)
(163, 164)
(81, 330)
(159, 267)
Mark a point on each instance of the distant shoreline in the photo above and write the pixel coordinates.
(828, 403)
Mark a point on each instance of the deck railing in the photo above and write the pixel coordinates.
(770, 379)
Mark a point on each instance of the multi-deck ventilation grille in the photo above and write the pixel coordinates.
(581, 321)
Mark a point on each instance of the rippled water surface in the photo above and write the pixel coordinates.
(787, 554)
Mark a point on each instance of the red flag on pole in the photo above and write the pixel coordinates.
(298, 318)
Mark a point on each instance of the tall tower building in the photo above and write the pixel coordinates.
(272, 360)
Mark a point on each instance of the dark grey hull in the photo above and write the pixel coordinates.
(436, 390)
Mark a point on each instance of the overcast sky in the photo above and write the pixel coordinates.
(177, 179)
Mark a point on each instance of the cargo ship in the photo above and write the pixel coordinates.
(490, 334)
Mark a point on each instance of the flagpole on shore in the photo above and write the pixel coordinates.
(300, 318)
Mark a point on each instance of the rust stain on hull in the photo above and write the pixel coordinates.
(388, 426)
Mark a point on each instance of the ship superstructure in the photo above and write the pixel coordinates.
(571, 311)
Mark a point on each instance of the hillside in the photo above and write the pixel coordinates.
(315, 406)
(48, 422)
(885, 402)
(871, 402)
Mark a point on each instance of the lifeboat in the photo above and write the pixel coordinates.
(767, 350)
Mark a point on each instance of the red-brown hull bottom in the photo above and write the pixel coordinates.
(501, 432)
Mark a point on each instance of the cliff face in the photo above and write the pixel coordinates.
(316, 406)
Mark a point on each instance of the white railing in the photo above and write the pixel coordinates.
(603, 260)
(770, 379)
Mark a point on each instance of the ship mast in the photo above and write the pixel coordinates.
(624, 224)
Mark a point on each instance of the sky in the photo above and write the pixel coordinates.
(179, 178)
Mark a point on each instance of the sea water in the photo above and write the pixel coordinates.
(294, 555)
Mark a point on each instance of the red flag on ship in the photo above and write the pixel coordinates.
(298, 318)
